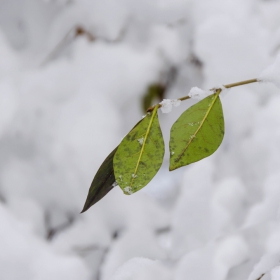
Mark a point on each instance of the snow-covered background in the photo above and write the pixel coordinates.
(72, 77)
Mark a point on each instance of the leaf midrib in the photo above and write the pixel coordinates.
(143, 145)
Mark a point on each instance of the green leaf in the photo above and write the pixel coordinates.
(197, 133)
(139, 155)
(102, 182)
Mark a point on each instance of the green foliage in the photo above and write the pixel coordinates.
(139, 155)
(197, 133)
(102, 183)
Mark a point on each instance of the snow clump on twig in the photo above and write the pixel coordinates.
(198, 93)
(166, 104)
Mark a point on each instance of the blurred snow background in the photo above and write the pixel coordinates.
(72, 77)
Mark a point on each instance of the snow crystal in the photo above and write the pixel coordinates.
(193, 123)
(176, 102)
(166, 104)
(127, 190)
(224, 91)
(271, 73)
(140, 140)
(198, 93)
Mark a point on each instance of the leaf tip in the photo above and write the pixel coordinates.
(88, 204)
(85, 208)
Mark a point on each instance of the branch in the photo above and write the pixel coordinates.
(212, 89)
(241, 83)
(73, 34)
(260, 277)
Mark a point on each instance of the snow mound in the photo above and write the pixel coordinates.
(141, 269)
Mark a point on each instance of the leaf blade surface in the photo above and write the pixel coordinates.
(102, 182)
(197, 133)
(139, 155)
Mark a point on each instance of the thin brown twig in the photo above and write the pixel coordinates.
(260, 277)
(74, 33)
(213, 89)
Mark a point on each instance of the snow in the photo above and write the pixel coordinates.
(266, 263)
(213, 261)
(141, 140)
(129, 246)
(196, 265)
(271, 73)
(193, 205)
(128, 190)
(167, 104)
(198, 93)
(8, 104)
(8, 60)
(32, 256)
(215, 219)
(141, 269)
(224, 90)
(275, 273)
(232, 251)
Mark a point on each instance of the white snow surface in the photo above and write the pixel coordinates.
(66, 101)
(267, 263)
(141, 269)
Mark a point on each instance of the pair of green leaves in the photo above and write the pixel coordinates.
(196, 134)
